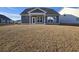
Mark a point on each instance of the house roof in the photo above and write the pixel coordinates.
(48, 10)
(2, 16)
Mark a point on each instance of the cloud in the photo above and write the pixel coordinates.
(11, 15)
(72, 11)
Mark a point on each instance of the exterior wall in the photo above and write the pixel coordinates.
(57, 20)
(8, 21)
(5, 21)
(68, 19)
(0, 20)
(25, 19)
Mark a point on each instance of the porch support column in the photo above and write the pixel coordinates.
(44, 18)
(30, 19)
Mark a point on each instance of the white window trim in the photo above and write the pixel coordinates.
(35, 9)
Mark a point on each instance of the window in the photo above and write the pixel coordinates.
(50, 19)
(33, 21)
(64, 15)
(3, 20)
(77, 19)
(39, 19)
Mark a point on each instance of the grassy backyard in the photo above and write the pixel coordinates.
(33, 38)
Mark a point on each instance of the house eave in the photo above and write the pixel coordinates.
(37, 8)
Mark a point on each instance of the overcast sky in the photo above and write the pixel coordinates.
(14, 12)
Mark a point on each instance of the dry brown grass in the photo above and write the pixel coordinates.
(39, 38)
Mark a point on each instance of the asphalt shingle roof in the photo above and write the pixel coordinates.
(48, 10)
(2, 16)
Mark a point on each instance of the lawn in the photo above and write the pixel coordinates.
(42, 38)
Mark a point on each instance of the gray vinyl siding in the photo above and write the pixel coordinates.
(4, 21)
(46, 19)
(0, 20)
(7, 21)
(57, 20)
(25, 19)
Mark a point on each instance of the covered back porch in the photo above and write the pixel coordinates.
(43, 19)
(38, 19)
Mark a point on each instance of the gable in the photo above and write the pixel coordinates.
(37, 11)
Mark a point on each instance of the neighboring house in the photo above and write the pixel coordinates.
(69, 16)
(69, 19)
(40, 15)
(18, 22)
(5, 20)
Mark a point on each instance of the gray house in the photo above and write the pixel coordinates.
(39, 15)
(5, 20)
